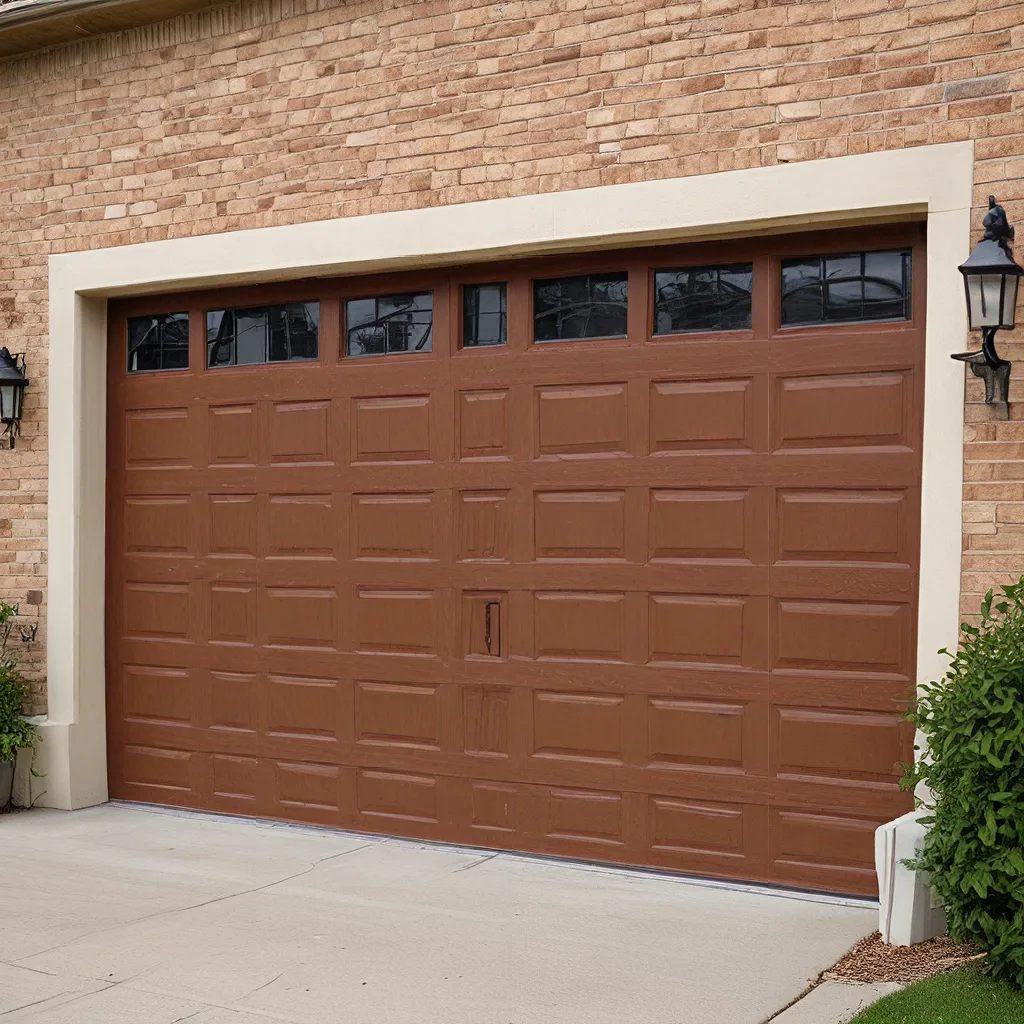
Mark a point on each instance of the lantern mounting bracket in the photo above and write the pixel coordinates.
(993, 370)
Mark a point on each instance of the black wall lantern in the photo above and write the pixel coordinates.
(12, 392)
(991, 278)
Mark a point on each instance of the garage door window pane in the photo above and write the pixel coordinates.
(158, 342)
(485, 315)
(388, 324)
(263, 334)
(849, 287)
(703, 299)
(571, 308)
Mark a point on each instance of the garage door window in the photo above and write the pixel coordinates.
(849, 287)
(484, 315)
(573, 308)
(703, 299)
(387, 324)
(158, 342)
(263, 334)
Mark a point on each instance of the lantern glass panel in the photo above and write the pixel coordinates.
(984, 292)
(1010, 300)
(8, 396)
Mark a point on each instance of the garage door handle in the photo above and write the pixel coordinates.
(489, 637)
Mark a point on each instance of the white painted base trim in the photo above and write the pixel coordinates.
(934, 182)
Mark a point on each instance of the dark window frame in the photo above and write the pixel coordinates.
(426, 344)
(591, 277)
(159, 321)
(741, 267)
(467, 314)
(311, 309)
(820, 284)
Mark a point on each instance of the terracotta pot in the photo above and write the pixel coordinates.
(6, 783)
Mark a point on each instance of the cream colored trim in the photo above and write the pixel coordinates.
(934, 181)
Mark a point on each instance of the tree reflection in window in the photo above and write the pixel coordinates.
(158, 342)
(590, 306)
(263, 334)
(703, 299)
(848, 287)
(388, 324)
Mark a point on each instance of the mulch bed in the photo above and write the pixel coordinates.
(872, 960)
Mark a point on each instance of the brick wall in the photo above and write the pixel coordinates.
(276, 111)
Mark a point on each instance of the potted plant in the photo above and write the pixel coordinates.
(15, 732)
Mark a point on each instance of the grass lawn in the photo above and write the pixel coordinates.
(960, 997)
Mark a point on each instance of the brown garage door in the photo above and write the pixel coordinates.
(386, 554)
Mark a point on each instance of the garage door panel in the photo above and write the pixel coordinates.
(847, 526)
(842, 635)
(698, 552)
(700, 415)
(856, 410)
(727, 631)
(708, 838)
(827, 850)
(703, 524)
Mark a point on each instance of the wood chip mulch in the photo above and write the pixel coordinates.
(872, 960)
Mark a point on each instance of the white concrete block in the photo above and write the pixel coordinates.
(906, 909)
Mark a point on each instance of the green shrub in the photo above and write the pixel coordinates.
(973, 765)
(15, 732)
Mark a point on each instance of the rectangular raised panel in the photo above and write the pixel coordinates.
(168, 770)
(299, 617)
(696, 628)
(818, 741)
(157, 439)
(585, 816)
(700, 525)
(233, 435)
(484, 631)
(485, 715)
(582, 420)
(492, 806)
(694, 732)
(233, 614)
(843, 526)
(397, 715)
(156, 525)
(393, 526)
(161, 696)
(301, 707)
(233, 701)
(233, 525)
(483, 424)
(855, 410)
(156, 611)
(301, 526)
(580, 524)
(300, 432)
(395, 621)
(484, 527)
(700, 414)
(841, 635)
(579, 626)
(307, 787)
(391, 429)
(235, 778)
(803, 837)
(397, 795)
(577, 726)
(691, 826)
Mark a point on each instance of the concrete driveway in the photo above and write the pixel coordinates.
(119, 915)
